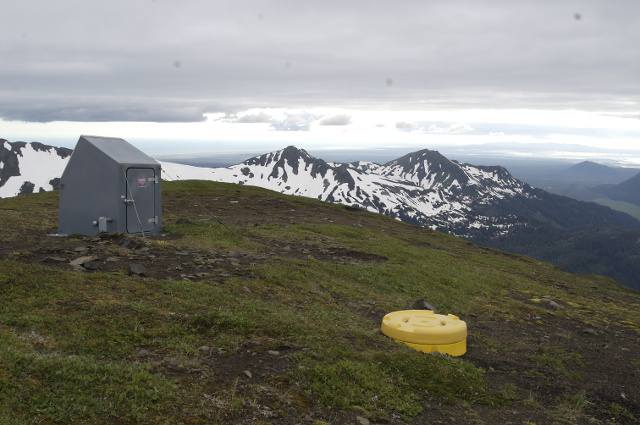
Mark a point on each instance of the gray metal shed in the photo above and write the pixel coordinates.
(109, 186)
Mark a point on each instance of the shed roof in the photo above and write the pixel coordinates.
(119, 150)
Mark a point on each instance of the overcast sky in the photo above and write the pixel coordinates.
(251, 71)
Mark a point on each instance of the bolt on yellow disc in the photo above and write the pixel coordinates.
(427, 331)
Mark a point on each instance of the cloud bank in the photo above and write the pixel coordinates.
(140, 60)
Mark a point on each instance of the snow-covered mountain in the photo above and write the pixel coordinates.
(422, 187)
(30, 167)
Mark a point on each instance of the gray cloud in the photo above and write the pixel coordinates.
(172, 61)
(435, 127)
(340, 119)
(294, 122)
(289, 121)
(405, 126)
(91, 111)
(253, 118)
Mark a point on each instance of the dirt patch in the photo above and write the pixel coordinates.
(150, 257)
(557, 358)
(143, 257)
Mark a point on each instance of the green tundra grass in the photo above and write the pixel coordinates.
(292, 335)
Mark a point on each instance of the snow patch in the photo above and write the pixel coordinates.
(36, 166)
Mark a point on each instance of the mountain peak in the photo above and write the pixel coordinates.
(418, 156)
(585, 165)
(293, 153)
(428, 167)
(283, 163)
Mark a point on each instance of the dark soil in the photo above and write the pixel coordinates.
(115, 253)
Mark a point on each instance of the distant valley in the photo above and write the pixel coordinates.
(615, 187)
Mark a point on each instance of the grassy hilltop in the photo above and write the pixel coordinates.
(261, 308)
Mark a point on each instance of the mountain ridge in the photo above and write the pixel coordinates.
(423, 187)
(627, 191)
(591, 172)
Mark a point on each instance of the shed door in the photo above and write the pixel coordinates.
(141, 200)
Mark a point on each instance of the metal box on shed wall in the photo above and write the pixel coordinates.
(109, 186)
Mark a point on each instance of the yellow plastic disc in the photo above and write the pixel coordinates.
(424, 327)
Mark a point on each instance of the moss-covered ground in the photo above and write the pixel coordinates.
(261, 308)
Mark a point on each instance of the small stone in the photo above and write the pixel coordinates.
(546, 301)
(362, 421)
(248, 374)
(589, 331)
(143, 353)
(81, 249)
(422, 304)
(551, 303)
(112, 259)
(78, 262)
(273, 352)
(81, 260)
(205, 349)
(91, 265)
(136, 269)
